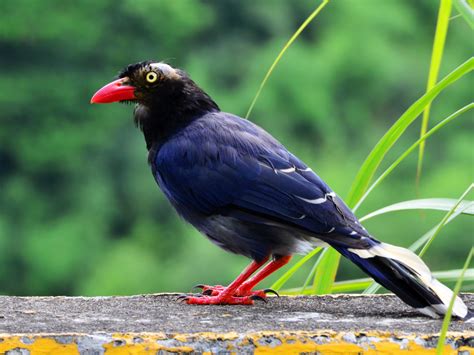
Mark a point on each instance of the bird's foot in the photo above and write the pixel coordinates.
(220, 299)
(208, 290)
(244, 291)
(240, 292)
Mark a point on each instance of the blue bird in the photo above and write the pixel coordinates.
(248, 194)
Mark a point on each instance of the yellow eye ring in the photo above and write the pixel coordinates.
(151, 77)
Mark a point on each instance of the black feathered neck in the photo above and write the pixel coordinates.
(170, 108)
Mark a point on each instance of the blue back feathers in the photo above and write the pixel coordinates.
(221, 161)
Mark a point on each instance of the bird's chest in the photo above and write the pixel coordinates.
(164, 181)
(181, 178)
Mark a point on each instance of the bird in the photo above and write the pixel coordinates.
(241, 188)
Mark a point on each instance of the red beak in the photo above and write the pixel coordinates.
(113, 92)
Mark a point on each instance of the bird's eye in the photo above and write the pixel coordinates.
(151, 77)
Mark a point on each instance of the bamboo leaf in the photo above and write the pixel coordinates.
(436, 57)
(370, 165)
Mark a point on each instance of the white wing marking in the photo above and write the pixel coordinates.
(288, 170)
(318, 201)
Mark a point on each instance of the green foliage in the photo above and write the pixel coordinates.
(443, 221)
(459, 207)
(286, 276)
(79, 210)
(282, 52)
(447, 317)
(441, 204)
(362, 284)
(466, 10)
(376, 156)
(328, 261)
(407, 152)
(436, 56)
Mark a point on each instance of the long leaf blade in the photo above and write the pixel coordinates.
(331, 260)
(431, 234)
(410, 150)
(285, 47)
(361, 284)
(326, 271)
(466, 11)
(286, 276)
(443, 221)
(370, 165)
(447, 316)
(440, 204)
(436, 57)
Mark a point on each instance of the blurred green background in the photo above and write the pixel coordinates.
(80, 213)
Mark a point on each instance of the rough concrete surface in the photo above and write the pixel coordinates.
(160, 323)
(162, 313)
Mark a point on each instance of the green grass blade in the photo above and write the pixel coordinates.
(329, 261)
(436, 57)
(326, 271)
(311, 274)
(423, 239)
(453, 275)
(297, 291)
(443, 221)
(447, 317)
(361, 284)
(285, 47)
(440, 204)
(368, 168)
(351, 285)
(286, 276)
(466, 10)
(428, 237)
(411, 149)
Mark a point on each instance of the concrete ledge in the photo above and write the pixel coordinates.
(341, 324)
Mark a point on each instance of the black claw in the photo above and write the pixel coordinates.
(181, 297)
(208, 292)
(258, 298)
(269, 290)
(201, 286)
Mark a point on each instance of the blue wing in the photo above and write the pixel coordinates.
(222, 164)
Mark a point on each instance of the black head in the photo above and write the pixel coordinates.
(166, 98)
(153, 80)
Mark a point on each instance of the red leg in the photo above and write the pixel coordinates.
(246, 287)
(226, 294)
